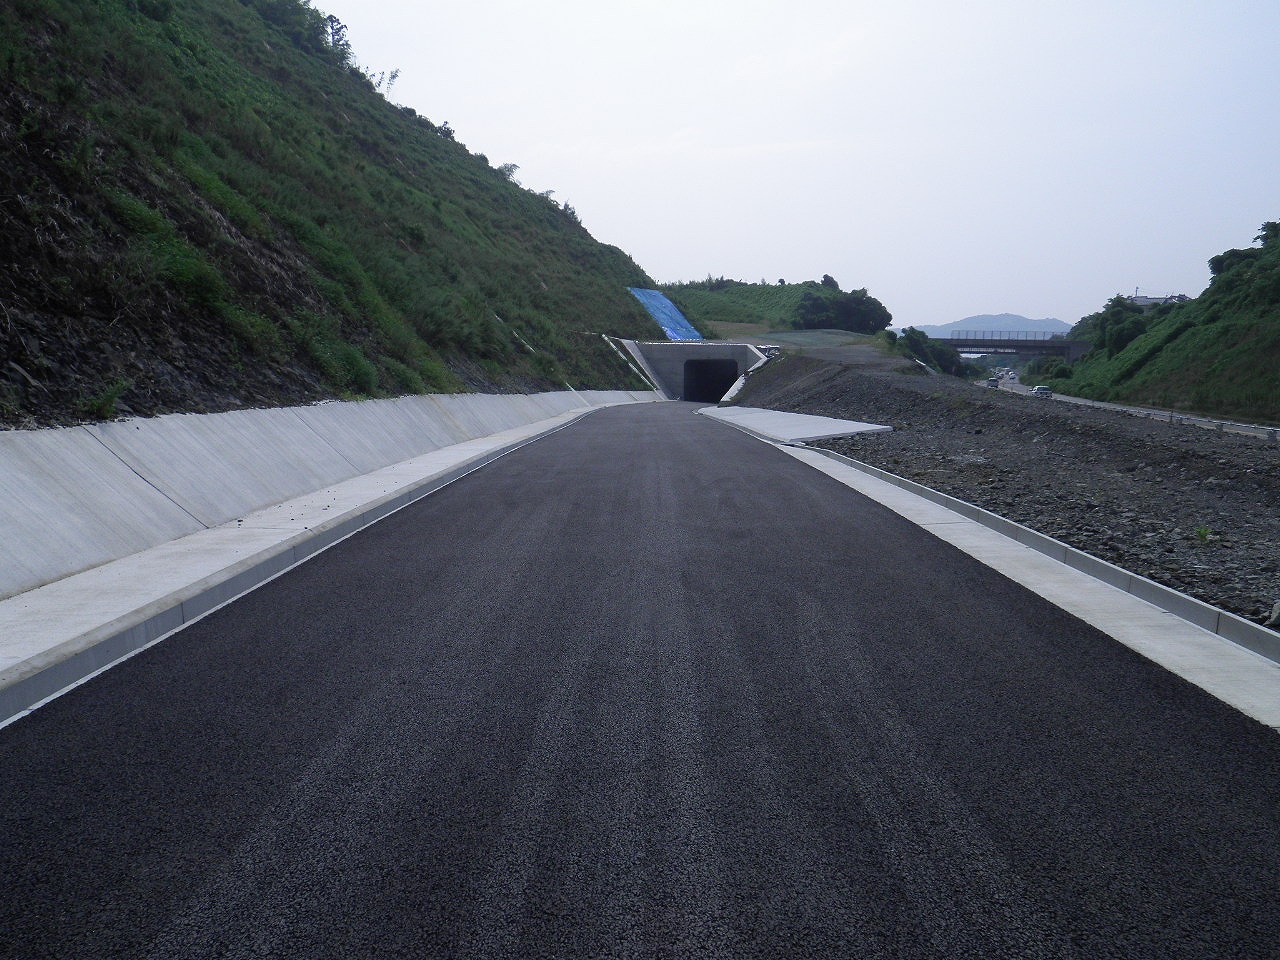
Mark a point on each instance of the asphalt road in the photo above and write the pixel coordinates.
(1155, 413)
(644, 688)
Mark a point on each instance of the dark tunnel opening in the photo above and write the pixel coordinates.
(706, 381)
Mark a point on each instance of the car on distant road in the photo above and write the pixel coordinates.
(1041, 391)
(993, 383)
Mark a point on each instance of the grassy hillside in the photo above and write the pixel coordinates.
(1218, 354)
(773, 306)
(808, 316)
(206, 204)
(799, 340)
(782, 306)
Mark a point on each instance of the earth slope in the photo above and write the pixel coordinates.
(208, 204)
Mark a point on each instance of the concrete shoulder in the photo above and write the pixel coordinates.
(789, 427)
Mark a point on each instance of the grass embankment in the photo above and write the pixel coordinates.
(728, 330)
(210, 198)
(764, 307)
(1218, 354)
(794, 339)
(761, 306)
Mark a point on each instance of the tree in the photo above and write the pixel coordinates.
(1232, 258)
(1120, 334)
(856, 312)
(860, 313)
(830, 281)
(813, 312)
(305, 26)
(158, 10)
(915, 343)
(1113, 327)
(336, 40)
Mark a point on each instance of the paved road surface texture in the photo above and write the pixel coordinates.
(644, 688)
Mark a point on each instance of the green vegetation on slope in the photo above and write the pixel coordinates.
(939, 356)
(765, 309)
(1218, 354)
(812, 305)
(207, 204)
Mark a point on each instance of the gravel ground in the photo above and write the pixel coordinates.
(1190, 508)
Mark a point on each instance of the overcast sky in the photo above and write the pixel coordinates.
(1031, 157)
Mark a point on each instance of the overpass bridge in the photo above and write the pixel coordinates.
(1036, 342)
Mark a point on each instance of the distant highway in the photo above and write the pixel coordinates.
(1151, 413)
(644, 688)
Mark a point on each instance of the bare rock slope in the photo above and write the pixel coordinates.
(1193, 509)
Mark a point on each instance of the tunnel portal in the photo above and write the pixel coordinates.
(698, 371)
(706, 381)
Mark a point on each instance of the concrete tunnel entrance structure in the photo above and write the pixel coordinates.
(706, 381)
(699, 371)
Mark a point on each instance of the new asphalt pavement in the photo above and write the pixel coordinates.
(646, 687)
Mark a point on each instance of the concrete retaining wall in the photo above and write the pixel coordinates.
(74, 498)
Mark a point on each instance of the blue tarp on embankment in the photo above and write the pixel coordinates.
(673, 322)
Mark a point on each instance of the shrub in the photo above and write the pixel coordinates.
(102, 405)
(257, 332)
(343, 364)
(186, 270)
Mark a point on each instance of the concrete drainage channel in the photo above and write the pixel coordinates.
(91, 608)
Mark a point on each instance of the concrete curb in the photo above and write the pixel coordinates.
(1227, 625)
(27, 684)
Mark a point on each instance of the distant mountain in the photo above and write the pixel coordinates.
(996, 321)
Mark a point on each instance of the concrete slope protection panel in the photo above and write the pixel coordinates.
(674, 323)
